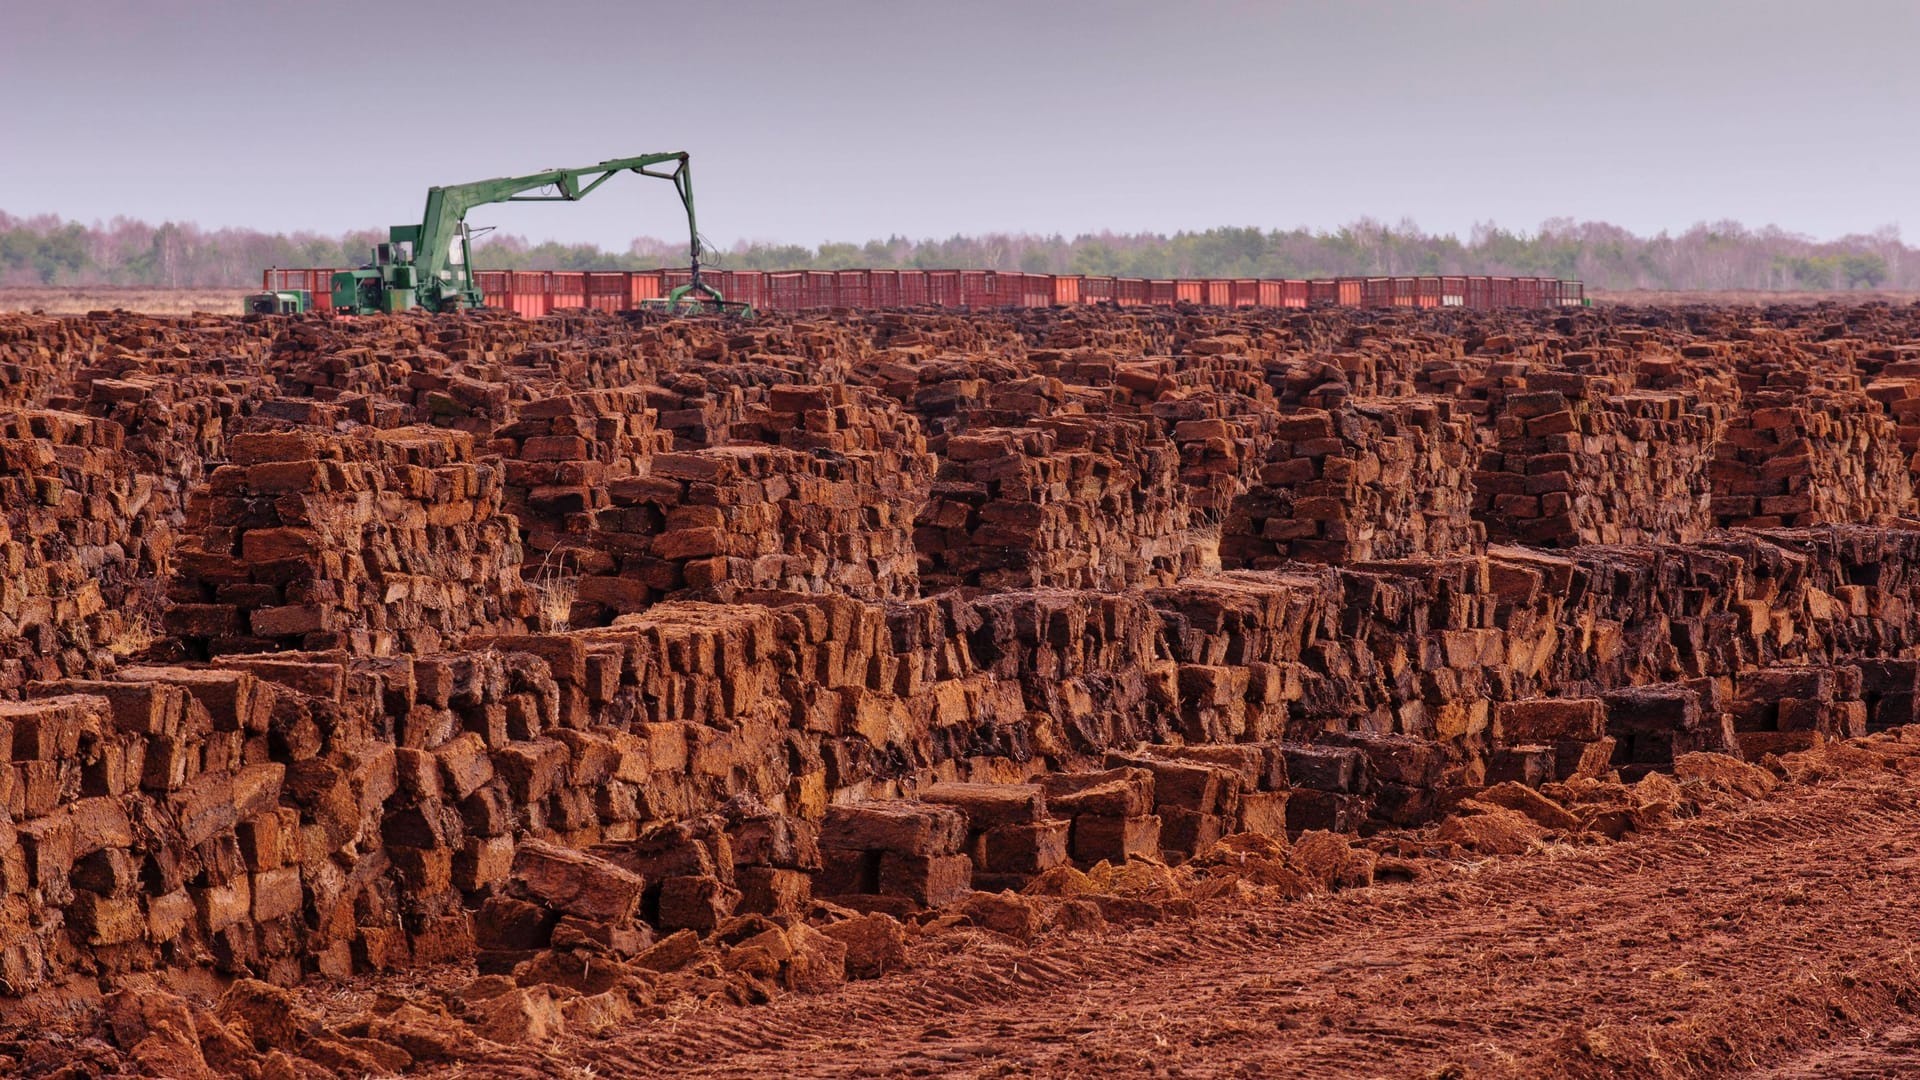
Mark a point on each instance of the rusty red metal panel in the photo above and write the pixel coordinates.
(1006, 289)
(785, 290)
(853, 288)
(976, 288)
(913, 288)
(496, 288)
(645, 285)
(1131, 291)
(1069, 289)
(568, 288)
(606, 290)
(317, 283)
(529, 294)
(943, 288)
(1036, 290)
(817, 288)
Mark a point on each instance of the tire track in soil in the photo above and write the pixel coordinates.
(1777, 933)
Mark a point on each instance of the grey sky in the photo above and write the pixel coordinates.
(851, 120)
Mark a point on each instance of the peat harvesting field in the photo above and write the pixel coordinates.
(1171, 691)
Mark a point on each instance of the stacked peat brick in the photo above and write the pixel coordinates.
(81, 542)
(894, 855)
(1011, 836)
(1542, 739)
(382, 541)
(1223, 438)
(1070, 502)
(377, 766)
(828, 508)
(558, 456)
(146, 824)
(1806, 456)
(1377, 479)
(1780, 709)
(1652, 725)
(1573, 463)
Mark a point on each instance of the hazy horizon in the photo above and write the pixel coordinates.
(854, 121)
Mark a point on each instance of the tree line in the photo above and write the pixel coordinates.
(48, 250)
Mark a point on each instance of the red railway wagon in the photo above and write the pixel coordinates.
(853, 289)
(1007, 290)
(646, 285)
(568, 288)
(783, 291)
(816, 288)
(883, 287)
(538, 292)
(608, 290)
(913, 288)
(495, 287)
(943, 288)
(1036, 290)
(318, 283)
(976, 289)
(744, 287)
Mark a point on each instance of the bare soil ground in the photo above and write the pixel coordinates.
(1774, 938)
(79, 300)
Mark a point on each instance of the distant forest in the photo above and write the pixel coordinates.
(46, 250)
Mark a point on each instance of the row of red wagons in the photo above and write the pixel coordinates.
(537, 292)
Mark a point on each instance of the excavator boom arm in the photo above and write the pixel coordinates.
(440, 226)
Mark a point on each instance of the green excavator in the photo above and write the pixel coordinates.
(430, 265)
